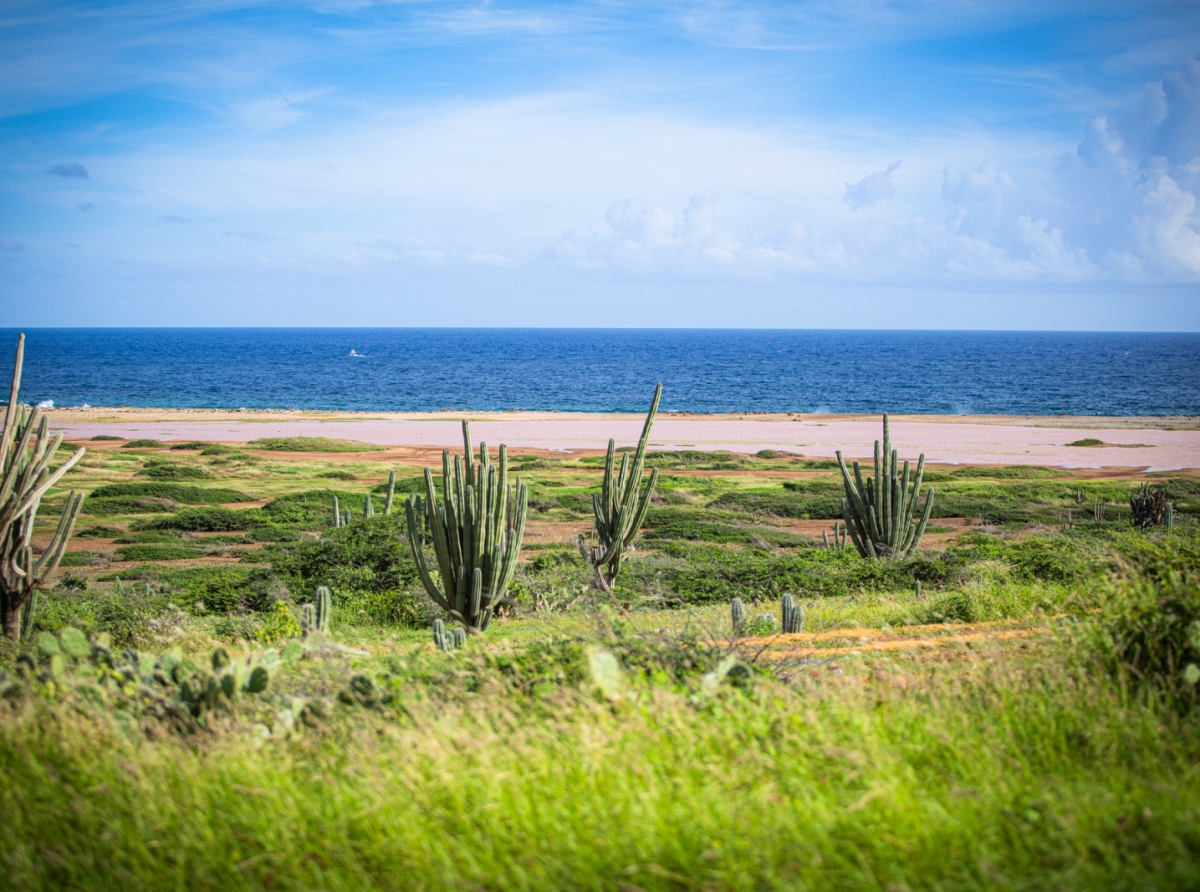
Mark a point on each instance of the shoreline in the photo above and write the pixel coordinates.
(1142, 444)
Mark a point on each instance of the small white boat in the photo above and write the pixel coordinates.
(354, 352)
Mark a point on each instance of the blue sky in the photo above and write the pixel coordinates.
(957, 164)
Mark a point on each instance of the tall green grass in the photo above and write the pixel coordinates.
(989, 776)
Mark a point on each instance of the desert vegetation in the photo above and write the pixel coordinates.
(229, 683)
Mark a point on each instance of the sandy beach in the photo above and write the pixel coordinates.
(1145, 444)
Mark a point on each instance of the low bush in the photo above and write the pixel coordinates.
(144, 444)
(338, 475)
(99, 438)
(202, 520)
(311, 444)
(99, 532)
(175, 492)
(310, 510)
(172, 471)
(191, 445)
(108, 507)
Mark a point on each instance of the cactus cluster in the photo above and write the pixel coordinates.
(792, 616)
(314, 617)
(619, 509)
(342, 518)
(1151, 507)
(447, 641)
(880, 515)
(129, 683)
(26, 454)
(476, 534)
(839, 536)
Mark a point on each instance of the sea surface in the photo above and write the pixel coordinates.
(614, 370)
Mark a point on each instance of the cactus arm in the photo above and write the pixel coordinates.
(516, 537)
(62, 534)
(414, 542)
(920, 530)
(643, 507)
(13, 395)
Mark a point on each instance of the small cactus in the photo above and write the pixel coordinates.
(1169, 516)
(917, 587)
(443, 640)
(839, 536)
(792, 616)
(737, 610)
(337, 513)
(368, 506)
(460, 637)
(308, 618)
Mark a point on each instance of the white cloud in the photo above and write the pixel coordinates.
(871, 189)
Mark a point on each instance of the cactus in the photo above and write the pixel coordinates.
(1098, 511)
(1149, 507)
(391, 492)
(839, 536)
(476, 534)
(460, 638)
(308, 618)
(27, 615)
(368, 506)
(917, 587)
(322, 609)
(346, 518)
(444, 640)
(880, 514)
(26, 453)
(792, 615)
(337, 513)
(737, 610)
(618, 510)
(1169, 516)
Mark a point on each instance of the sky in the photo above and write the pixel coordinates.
(832, 164)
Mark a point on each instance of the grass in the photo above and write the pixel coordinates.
(311, 444)
(982, 736)
(1087, 441)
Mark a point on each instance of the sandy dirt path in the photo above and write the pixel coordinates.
(1153, 444)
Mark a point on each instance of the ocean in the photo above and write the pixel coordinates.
(600, 370)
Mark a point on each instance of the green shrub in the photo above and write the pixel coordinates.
(175, 492)
(202, 520)
(311, 444)
(82, 558)
(99, 532)
(126, 505)
(338, 475)
(1087, 441)
(217, 449)
(795, 505)
(144, 444)
(220, 589)
(309, 510)
(366, 557)
(102, 437)
(171, 471)
(191, 444)
(1148, 629)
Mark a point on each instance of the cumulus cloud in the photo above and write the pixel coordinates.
(871, 189)
(7, 244)
(72, 171)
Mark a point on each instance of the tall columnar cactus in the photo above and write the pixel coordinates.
(792, 616)
(880, 515)
(368, 506)
(1148, 506)
(337, 513)
(476, 534)
(391, 493)
(322, 609)
(618, 508)
(26, 453)
(737, 612)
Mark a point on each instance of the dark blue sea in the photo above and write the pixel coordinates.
(615, 369)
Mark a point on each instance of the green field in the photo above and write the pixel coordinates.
(1028, 721)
